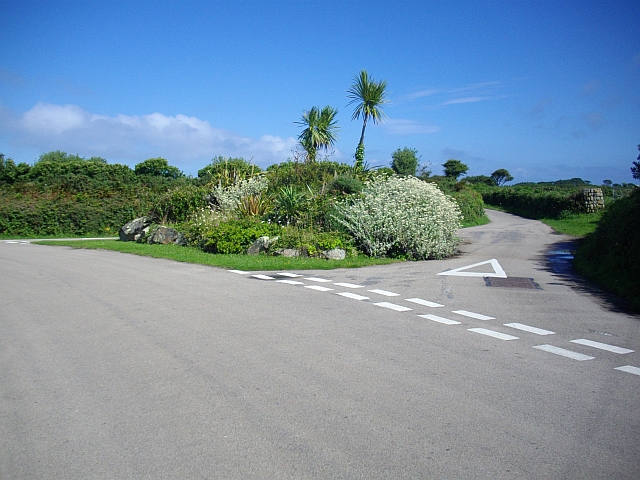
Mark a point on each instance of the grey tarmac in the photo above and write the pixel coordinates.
(117, 366)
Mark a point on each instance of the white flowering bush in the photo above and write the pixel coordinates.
(229, 198)
(402, 217)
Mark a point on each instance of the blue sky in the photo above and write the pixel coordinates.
(547, 90)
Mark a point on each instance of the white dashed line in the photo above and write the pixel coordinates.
(426, 303)
(602, 346)
(491, 333)
(435, 318)
(290, 275)
(239, 271)
(563, 352)
(354, 296)
(263, 277)
(393, 306)
(385, 293)
(318, 288)
(530, 329)
(319, 280)
(290, 282)
(477, 316)
(348, 285)
(629, 369)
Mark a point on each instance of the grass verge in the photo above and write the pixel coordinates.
(577, 225)
(236, 262)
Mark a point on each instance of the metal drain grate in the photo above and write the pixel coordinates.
(511, 282)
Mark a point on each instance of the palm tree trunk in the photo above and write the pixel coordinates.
(364, 125)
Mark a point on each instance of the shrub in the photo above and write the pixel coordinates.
(405, 161)
(235, 236)
(610, 256)
(403, 217)
(471, 206)
(179, 203)
(346, 185)
(228, 198)
(312, 242)
(158, 167)
(227, 171)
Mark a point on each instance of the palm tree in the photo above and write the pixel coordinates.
(369, 96)
(320, 132)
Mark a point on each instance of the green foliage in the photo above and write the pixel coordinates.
(481, 179)
(312, 242)
(289, 203)
(179, 203)
(320, 132)
(229, 198)
(316, 175)
(158, 167)
(227, 171)
(358, 164)
(611, 255)
(11, 173)
(454, 168)
(235, 236)
(346, 185)
(402, 217)
(405, 161)
(471, 206)
(501, 176)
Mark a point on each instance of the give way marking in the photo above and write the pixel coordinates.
(461, 271)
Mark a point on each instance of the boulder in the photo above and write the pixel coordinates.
(287, 252)
(166, 235)
(334, 254)
(261, 244)
(135, 229)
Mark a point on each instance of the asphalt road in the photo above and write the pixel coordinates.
(117, 366)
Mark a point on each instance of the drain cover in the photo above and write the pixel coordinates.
(511, 282)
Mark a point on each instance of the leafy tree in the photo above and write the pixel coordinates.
(320, 130)
(369, 96)
(158, 167)
(501, 176)
(635, 169)
(405, 161)
(481, 179)
(454, 168)
(10, 172)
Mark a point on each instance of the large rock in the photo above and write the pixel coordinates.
(135, 229)
(335, 254)
(287, 252)
(166, 235)
(262, 244)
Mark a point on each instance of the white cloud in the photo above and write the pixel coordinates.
(456, 101)
(185, 141)
(396, 126)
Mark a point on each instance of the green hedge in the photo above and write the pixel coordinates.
(611, 255)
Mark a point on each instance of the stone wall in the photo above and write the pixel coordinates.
(592, 199)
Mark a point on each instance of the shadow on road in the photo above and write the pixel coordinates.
(558, 260)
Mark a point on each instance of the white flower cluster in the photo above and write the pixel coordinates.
(403, 216)
(228, 199)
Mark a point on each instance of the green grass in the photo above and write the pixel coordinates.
(236, 262)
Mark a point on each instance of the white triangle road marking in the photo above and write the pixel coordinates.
(460, 271)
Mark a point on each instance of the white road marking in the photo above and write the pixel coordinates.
(348, 285)
(426, 303)
(263, 277)
(318, 287)
(491, 333)
(393, 306)
(355, 296)
(477, 316)
(602, 346)
(239, 271)
(290, 275)
(316, 279)
(460, 271)
(629, 369)
(528, 328)
(21, 242)
(435, 318)
(563, 352)
(385, 293)
(290, 282)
